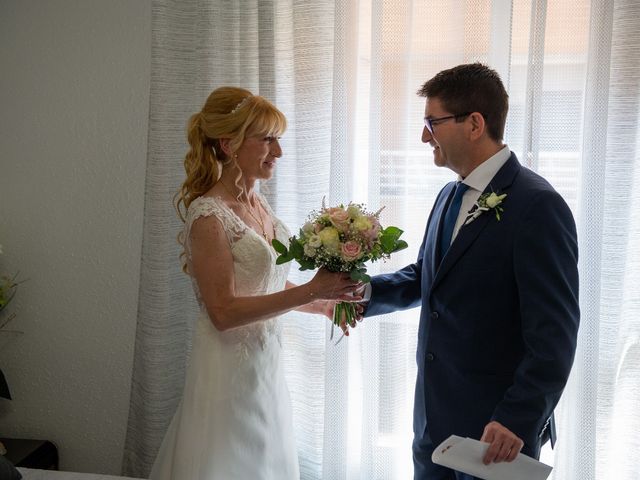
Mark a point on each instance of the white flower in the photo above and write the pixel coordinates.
(330, 239)
(308, 228)
(362, 224)
(493, 200)
(354, 211)
(314, 241)
(309, 251)
(486, 202)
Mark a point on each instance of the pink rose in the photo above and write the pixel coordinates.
(351, 251)
(339, 218)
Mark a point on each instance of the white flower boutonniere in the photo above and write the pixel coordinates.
(486, 202)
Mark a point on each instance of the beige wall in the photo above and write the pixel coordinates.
(74, 88)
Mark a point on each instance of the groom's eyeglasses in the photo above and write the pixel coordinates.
(432, 122)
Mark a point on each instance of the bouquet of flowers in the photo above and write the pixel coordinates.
(341, 239)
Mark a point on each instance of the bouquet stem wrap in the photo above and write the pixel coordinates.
(346, 310)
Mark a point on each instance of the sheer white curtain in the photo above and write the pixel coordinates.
(346, 73)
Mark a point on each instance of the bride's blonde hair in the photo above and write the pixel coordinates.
(232, 113)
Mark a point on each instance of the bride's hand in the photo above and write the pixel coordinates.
(325, 307)
(326, 285)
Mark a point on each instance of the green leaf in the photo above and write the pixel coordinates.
(360, 275)
(283, 259)
(279, 246)
(393, 232)
(296, 249)
(306, 264)
(387, 243)
(389, 239)
(400, 245)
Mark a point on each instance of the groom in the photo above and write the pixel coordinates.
(496, 278)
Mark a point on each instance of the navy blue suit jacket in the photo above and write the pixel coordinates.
(499, 316)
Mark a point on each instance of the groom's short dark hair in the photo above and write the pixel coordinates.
(472, 87)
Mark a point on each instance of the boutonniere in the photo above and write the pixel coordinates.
(486, 202)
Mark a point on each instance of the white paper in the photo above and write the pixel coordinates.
(465, 455)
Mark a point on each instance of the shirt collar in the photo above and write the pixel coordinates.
(480, 177)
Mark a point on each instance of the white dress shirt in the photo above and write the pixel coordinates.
(477, 181)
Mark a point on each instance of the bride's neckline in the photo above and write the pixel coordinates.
(220, 200)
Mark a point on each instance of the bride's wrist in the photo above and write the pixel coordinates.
(309, 293)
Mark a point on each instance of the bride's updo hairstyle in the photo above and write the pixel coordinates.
(229, 112)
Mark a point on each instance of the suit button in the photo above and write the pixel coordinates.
(430, 357)
(434, 315)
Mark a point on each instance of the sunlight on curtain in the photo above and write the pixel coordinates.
(572, 73)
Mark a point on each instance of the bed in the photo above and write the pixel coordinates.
(32, 474)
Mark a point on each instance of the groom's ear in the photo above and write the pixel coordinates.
(477, 126)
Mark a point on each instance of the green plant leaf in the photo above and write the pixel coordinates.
(283, 259)
(296, 249)
(389, 238)
(279, 246)
(306, 264)
(393, 232)
(387, 244)
(360, 275)
(400, 245)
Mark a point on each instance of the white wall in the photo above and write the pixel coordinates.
(74, 89)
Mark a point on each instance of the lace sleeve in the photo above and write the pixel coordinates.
(207, 207)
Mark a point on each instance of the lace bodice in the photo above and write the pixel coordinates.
(254, 264)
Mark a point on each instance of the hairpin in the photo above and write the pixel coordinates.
(239, 106)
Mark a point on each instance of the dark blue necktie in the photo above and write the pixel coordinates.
(450, 217)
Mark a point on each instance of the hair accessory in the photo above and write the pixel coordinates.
(239, 106)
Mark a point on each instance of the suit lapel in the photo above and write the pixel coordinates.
(469, 232)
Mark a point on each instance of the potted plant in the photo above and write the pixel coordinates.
(8, 288)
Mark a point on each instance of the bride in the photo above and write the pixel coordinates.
(235, 419)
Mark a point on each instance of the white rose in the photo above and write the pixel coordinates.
(494, 200)
(314, 241)
(354, 212)
(309, 251)
(330, 238)
(362, 224)
(308, 228)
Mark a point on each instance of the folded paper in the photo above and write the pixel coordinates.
(465, 455)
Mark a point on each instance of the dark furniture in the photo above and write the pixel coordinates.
(31, 453)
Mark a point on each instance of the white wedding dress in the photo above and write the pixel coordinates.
(235, 418)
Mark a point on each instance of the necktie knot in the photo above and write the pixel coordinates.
(451, 217)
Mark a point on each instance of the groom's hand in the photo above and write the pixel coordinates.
(504, 445)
